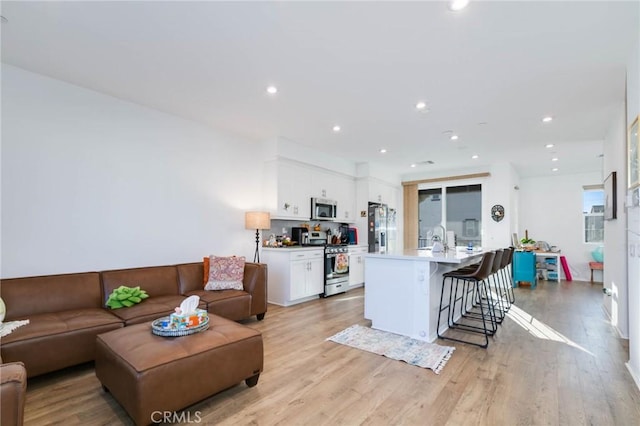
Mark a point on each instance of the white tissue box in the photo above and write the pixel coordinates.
(192, 319)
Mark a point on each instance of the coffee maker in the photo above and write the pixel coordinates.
(296, 234)
(344, 233)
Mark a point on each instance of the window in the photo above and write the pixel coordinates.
(593, 212)
(459, 207)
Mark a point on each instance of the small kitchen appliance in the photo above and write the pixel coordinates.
(314, 238)
(323, 209)
(296, 234)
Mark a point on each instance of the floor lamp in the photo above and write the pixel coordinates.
(257, 221)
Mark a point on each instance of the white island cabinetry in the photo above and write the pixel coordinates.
(402, 294)
(295, 274)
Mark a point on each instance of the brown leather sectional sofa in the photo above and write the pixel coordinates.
(13, 387)
(67, 312)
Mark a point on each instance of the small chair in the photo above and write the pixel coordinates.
(595, 266)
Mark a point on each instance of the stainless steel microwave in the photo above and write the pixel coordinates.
(323, 209)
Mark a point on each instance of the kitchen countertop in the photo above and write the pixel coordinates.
(293, 248)
(459, 256)
(308, 247)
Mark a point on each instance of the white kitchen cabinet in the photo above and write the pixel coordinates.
(382, 192)
(286, 190)
(356, 265)
(295, 275)
(347, 201)
(338, 187)
(289, 186)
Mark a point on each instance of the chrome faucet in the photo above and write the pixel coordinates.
(442, 239)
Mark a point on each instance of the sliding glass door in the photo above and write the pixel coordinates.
(456, 208)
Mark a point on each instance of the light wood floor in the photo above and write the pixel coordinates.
(566, 366)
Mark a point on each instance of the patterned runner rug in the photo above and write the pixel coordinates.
(394, 346)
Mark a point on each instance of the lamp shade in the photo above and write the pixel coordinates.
(257, 220)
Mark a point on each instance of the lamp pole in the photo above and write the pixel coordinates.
(257, 221)
(256, 256)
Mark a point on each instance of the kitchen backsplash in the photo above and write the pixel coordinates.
(283, 227)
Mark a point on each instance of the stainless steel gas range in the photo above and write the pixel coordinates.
(336, 269)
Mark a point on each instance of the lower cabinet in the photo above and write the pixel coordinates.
(295, 275)
(356, 265)
(548, 266)
(524, 268)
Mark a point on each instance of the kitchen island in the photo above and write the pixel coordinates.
(402, 291)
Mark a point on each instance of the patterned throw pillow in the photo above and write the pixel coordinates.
(225, 273)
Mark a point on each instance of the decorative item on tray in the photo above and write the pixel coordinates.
(187, 319)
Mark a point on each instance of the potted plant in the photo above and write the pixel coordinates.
(527, 243)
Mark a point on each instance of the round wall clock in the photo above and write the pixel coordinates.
(497, 212)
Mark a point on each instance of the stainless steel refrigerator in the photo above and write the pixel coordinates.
(392, 231)
(377, 227)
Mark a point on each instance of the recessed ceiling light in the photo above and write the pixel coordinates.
(555, 169)
(336, 128)
(272, 90)
(475, 156)
(382, 151)
(554, 159)
(421, 105)
(456, 5)
(549, 145)
(413, 165)
(547, 119)
(454, 137)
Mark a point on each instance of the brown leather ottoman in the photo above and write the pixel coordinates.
(146, 373)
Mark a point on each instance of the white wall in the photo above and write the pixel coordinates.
(500, 190)
(633, 110)
(615, 241)
(551, 209)
(90, 182)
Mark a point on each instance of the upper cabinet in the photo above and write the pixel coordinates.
(381, 192)
(289, 187)
(334, 186)
(286, 188)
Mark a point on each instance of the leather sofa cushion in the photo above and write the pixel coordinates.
(50, 324)
(190, 276)
(73, 291)
(150, 309)
(232, 304)
(53, 341)
(155, 280)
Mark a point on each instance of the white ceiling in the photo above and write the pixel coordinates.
(362, 65)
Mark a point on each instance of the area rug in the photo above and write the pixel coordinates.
(395, 346)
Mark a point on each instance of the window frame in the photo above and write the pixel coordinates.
(585, 215)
